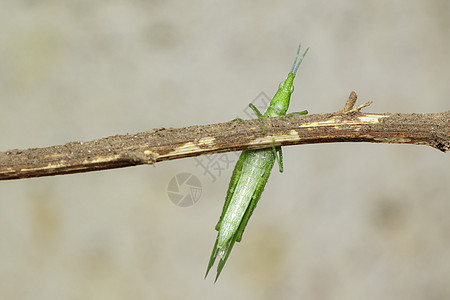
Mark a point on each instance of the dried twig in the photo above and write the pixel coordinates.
(347, 125)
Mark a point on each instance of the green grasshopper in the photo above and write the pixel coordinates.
(250, 175)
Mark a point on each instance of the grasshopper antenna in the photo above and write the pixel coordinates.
(295, 65)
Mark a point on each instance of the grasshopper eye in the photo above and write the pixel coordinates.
(280, 86)
(292, 89)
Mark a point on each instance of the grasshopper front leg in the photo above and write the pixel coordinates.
(303, 112)
(259, 115)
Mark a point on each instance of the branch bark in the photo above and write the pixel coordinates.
(347, 125)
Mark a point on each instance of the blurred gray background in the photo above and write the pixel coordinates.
(344, 221)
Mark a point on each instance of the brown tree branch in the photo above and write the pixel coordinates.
(347, 125)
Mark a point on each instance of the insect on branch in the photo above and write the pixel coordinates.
(347, 125)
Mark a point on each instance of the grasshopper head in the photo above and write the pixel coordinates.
(280, 102)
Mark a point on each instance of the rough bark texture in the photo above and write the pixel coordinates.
(348, 125)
